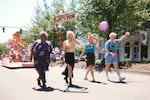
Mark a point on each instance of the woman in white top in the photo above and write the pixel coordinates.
(69, 48)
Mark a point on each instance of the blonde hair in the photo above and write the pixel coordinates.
(112, 34)
(91, 35)
(70, 32)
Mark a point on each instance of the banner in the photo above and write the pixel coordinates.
(143, 35)
(64, 17)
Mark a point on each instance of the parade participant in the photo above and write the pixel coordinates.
(89, 49)
(52, 59)
(12, 55)
(69, 48)
(41, 50)
(111, 56)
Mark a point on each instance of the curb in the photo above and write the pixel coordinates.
(136, 72)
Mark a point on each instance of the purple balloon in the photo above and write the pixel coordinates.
(103, 25)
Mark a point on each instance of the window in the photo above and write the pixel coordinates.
(136, 43)
(127, 50)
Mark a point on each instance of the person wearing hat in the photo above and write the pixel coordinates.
(111, 56)
(40, 51)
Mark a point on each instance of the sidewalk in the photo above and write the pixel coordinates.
(135, 68)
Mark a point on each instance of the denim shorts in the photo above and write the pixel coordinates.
(111, 60)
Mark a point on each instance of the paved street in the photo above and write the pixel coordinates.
(20, 84)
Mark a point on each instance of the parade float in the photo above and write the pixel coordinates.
(18, 53)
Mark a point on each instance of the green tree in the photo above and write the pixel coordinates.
(43, 20)
(122, 15)
(78, 50)
(2, 48)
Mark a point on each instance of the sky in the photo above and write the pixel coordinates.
(15, 13)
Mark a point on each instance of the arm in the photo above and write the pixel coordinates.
(50, 47)
(94, 38)
(32, 47)
(108, 51)
(83, 52)
(64, 46)
(52, 50)
(124, 36)
(76, 41)
(107, 48)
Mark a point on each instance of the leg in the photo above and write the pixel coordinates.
(108, 61)
(70, 74)
(107, 70)
(65, 72)
(69, 71)
(87, 72)
(88, 63)
(118, 73)
(39, 78)
(116, 69)
(42, 77)
(92, 72)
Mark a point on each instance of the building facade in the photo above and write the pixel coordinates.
(132, 49)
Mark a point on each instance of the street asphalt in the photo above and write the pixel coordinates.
(20, 84)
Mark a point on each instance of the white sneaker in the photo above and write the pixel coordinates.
(108, 79)
(121, 79)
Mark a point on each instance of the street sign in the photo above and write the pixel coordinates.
(64, 17)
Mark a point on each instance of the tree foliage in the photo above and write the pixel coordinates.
(43, 20)
(2, 48)
(122, 15)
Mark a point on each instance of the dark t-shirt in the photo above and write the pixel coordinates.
(41, 52)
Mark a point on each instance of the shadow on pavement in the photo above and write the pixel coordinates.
(47, 89)
(8, 67)
(79, 89)
(67, 90)
(121, 82)
(98, 82)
